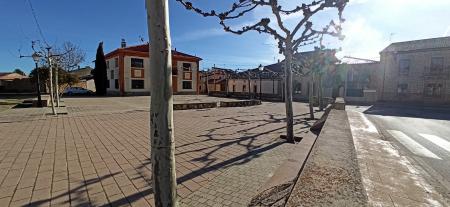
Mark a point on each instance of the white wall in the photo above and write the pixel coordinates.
(268, 86)
(111, 67)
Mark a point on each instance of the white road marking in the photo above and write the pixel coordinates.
(444, 144)
(412, 145)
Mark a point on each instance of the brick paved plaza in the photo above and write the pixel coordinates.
(98, 154)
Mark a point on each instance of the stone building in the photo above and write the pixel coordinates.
(362, 81)
(416, 71)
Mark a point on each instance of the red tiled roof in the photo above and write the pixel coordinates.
(145, 48)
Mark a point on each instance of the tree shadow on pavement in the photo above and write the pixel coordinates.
(237, 141)
(76, 194)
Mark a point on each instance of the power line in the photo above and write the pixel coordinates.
(33, 12)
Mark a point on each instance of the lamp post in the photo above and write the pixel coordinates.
(261, 68)
(36, 58)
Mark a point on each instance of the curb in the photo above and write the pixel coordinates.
(277, 189)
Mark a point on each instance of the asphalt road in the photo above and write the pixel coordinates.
(421, 133)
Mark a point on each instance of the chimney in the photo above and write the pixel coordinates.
(123, 44)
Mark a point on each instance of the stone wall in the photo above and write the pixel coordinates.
(418, 77)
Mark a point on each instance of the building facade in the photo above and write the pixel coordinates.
(15, 83)
(128, 71)
(362, 82)
(417, 71)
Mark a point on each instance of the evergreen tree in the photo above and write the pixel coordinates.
(19, 71)
(100, 74)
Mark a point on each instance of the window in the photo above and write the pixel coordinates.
(187, 67)
(116, 62)
(107, 64)
(404, 66)
(137, 63)
(433, 90)
(187, 84)
(437, 64)
(137, 84)
(402, 88)
(107, 84)
(116, 84)
(244, 88)
(234, 88)
(111, 75)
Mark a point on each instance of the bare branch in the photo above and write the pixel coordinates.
(276, 11)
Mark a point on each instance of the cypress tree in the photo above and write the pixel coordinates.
(100, 73)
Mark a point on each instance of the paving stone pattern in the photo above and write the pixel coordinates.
(98, 154)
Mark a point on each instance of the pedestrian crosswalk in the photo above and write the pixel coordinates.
(444, 144)
(412, 145)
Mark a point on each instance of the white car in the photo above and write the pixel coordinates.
(77, 91)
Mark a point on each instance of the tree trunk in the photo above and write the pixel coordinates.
(57, 85)
(161, 109)
(288, 94)
(311, 97)
(320, 93)
(249, 87)
(52, 94)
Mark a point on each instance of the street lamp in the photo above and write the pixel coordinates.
(36, 57)
(260, 68)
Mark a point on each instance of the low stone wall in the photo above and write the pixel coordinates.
(188, 106)
(206, 105)
(339, 104)
(239, 103)
(244, 95)
(331, 176)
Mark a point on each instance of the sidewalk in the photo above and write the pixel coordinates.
(389, 178)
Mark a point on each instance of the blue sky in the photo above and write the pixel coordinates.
(371, 25)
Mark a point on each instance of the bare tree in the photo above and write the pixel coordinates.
(67, 57)
(161, 109)
(314, 64)
(71, 56)
(289, 40)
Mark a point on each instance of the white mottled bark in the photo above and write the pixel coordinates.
(57, 85)
(52, 94)
(161, 109)
(311, 97)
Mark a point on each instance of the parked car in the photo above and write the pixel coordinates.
(77, 91)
